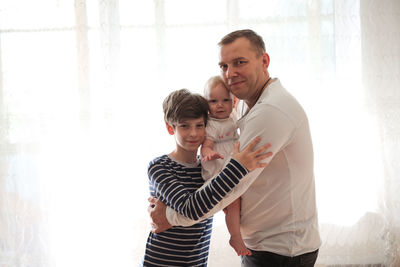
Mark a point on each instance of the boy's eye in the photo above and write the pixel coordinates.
(200, 125)
(183, 125)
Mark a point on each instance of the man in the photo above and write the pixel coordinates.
(278, 214)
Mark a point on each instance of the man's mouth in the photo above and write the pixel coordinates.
(234, 83)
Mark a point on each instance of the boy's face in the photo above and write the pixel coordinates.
(189, 134)
(220, 102)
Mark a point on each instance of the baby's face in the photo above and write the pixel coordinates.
(220, 102)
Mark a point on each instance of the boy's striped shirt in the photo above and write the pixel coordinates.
(175, 184)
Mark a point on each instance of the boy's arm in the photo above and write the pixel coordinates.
(163, 217)
(172, 217)
(173, 193)
(194, 205)
(207, 200)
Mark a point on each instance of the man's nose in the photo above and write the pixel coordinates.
(230, 72)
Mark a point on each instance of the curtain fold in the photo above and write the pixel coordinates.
(381, 76)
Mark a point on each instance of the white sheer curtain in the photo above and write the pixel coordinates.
(81, 86)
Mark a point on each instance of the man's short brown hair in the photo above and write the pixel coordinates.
(256, 41)
(182, 104)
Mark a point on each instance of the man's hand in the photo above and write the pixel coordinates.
(157, 211)
(249, 158)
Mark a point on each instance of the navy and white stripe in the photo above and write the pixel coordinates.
(176, 185)
(170, 182)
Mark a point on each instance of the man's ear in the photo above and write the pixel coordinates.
(170, 129)
(265, 58)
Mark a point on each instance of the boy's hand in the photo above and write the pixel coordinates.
(249, 158)
(211, 156)
(157, 212)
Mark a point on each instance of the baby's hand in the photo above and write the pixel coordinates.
(211, 156)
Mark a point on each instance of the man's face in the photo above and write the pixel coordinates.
(241, 69)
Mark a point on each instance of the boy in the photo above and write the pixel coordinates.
(174, 177)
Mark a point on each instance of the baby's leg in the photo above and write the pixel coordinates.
(232, 219)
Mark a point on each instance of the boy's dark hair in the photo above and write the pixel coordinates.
(182, 104)
(256, 40)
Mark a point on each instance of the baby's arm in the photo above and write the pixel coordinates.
(207, 151)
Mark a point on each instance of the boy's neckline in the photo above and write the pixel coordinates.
(194, 164)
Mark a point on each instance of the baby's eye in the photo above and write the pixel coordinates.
(212, 101)
(227, 100)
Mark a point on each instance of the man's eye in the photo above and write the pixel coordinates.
(224, 66)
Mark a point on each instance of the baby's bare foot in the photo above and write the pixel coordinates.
(238, 245)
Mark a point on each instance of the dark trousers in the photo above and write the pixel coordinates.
(269, 259)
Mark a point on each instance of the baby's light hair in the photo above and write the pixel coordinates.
(212, 82)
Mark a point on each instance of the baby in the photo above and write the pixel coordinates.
(221, 135)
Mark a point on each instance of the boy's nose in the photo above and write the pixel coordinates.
(193, 131)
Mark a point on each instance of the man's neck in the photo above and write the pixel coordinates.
(250, 103)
